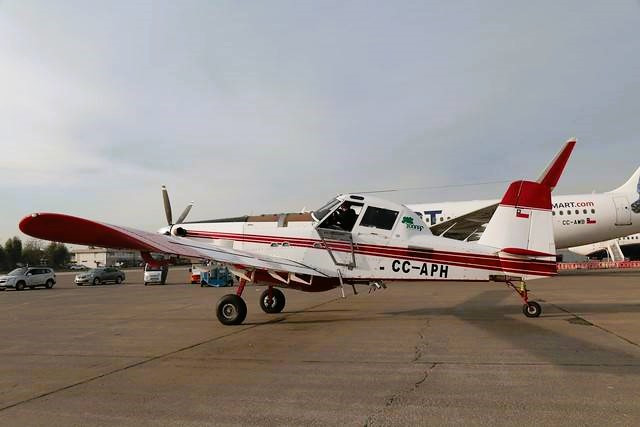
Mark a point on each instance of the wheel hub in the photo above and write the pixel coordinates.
(229, 311)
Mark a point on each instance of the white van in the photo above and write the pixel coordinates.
(155, 274)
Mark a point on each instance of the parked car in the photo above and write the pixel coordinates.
(28, 277)
(97, 276)
(77, 267)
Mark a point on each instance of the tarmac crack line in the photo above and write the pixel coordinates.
(393, 399)
(602, 328)
(419, 348)
(158, 357)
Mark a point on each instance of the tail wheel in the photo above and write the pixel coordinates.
(231, 310)
(532, 309)
(49, 284)
(276, 304)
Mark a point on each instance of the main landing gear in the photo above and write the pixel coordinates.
(232, 310)
(272, 300)
(530, 308)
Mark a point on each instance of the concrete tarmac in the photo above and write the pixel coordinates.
(414, 354)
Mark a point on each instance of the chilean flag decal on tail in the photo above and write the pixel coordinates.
(521, 214)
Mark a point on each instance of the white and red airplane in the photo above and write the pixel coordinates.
(352, 240)
(578, 219)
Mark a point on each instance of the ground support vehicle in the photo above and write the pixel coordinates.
(217, 277)
(155, 274)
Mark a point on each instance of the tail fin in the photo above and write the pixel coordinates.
(522, 223)
(631, 186)
(551, 174)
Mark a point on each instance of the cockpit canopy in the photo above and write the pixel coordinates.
(347, 211)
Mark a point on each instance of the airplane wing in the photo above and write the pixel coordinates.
(462, 227)
(70, 229)
(466, 225)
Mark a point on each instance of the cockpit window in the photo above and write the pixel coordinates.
(325, 209)
(343, 218)
(379, 218)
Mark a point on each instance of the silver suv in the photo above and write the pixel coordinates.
(28, 277)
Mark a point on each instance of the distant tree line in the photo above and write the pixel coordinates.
(33, 252)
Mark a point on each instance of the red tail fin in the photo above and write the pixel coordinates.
(551, 174)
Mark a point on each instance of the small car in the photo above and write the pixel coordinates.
(28, 277)
(77, 267)
(97, 276)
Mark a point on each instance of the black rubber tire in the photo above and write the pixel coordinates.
(146, 283)
(118, 280)
(231, 310)
(277, 301)
(96, 281)
(20, 286)
(532, 309)
(49, 284)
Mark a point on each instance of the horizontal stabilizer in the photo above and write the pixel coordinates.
(525, 252)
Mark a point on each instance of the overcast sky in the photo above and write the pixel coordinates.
(271, 106)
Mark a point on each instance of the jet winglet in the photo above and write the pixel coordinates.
(551, 174)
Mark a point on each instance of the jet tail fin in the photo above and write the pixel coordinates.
(522, 223)
(631, 186)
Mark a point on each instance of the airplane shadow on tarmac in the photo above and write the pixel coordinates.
(552, 341)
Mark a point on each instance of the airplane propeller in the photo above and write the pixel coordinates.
(167, 208)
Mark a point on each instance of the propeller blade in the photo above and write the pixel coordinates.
(184, 213)
(167, 205)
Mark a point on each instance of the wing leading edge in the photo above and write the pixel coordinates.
(70, 229)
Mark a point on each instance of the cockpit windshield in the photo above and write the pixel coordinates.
(318, 214)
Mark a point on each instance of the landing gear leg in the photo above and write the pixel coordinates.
(231, 308)
(530, 308)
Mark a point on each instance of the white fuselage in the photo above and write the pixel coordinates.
(405, 251)
(577, 219)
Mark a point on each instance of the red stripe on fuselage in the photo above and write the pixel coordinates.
(258, 238)
(480, 261)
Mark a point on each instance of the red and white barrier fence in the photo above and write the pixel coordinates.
(597, 265)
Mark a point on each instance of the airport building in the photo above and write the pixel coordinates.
(100, 257)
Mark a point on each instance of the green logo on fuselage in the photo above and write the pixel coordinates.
(408, 221)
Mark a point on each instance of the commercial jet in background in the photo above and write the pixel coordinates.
(352, 240)
(627, 247)
(578, 219)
